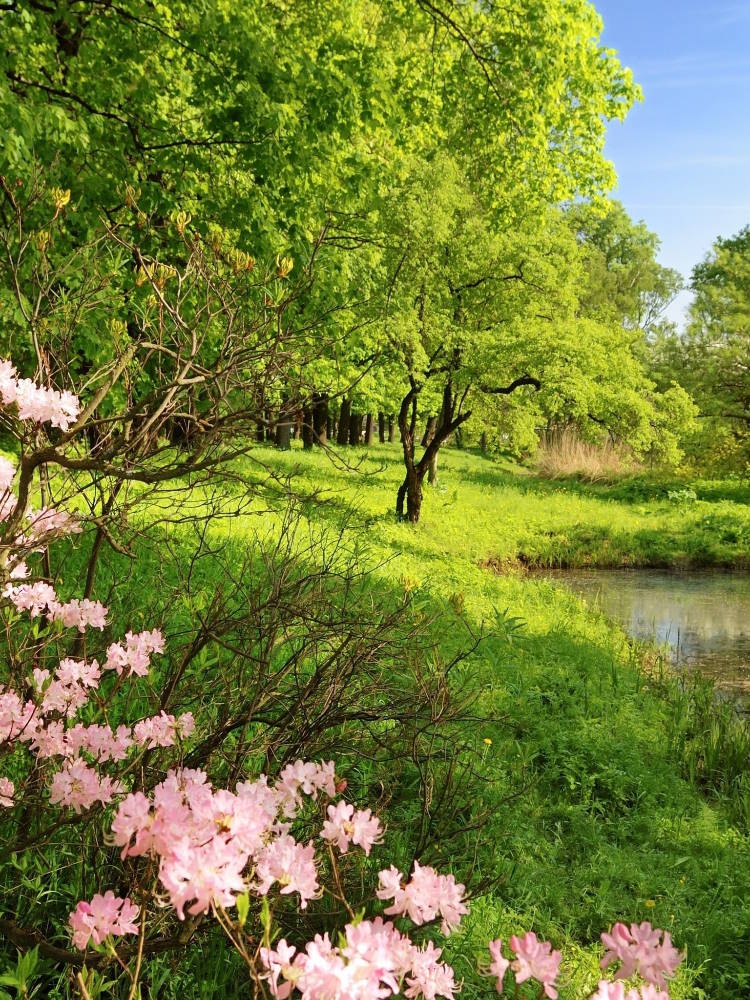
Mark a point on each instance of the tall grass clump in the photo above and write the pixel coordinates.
(563, 453)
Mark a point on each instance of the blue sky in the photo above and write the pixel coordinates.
(683, 155)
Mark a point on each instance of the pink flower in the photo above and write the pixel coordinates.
(104, 916)
(7, 788)
(81, 614)
(345, 825)
(536, 960)
(79, 786)
(499, 964)
(279, 962)
(132, 822)
(616, 991)
(209, 874)
(35, 402)
(429, 978)
(17, 720)
(290, 864)
(48, 522)
(642, 949)
(163, 730)
(134, 656)
(306, 778)
(8, 382)
(426, 895)
(100, 741)
(7, 472)
(36, 598)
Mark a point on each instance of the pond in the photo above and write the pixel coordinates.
(702, 619)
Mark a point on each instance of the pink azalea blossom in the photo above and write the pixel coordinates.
(163, 730)
(131, 827)
(100, 741)
(81, 614)
(7, 472)
(48, 522)
(36, 598)
(37, 403)
(279, 962)
(641, 948)
(616, 991)
(424, 897)
(7, 788)
(304, 777)
(536, 960)
(429, 978)
(499, 964)
(208, 874)
(104, 916)
(134, 655)
(79, 786)
(17, 718)
(346, 825)
(290, 864)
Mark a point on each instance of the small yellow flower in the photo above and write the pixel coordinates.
(488, 741)
(650, 904)
(284, 266)
(60, 197)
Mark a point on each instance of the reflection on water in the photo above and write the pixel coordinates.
(702, 618)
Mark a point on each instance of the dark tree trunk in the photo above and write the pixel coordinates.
(307, 428)
(260, 431)
(381, 427)
(284, 433)
(391, 428)
(329, 427)
(429, 431)
(356, 420)
(343, 435)
(369, 430)
(411, 492)
(483, 443)
(320, 418)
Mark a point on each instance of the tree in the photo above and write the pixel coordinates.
(711, 359)
(623, 281)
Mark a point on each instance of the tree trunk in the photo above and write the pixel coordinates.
(429, 431)
(381, 427)
(356, 420)
(307, 428)
(432, 473)
(320, 418)
(411, 491)
(343, 435)
(329, 427)
(260, 431)
(483, 443)
(284, 433)
(369, 430)
(391, 429)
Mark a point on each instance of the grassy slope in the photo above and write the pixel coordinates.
(608, 828)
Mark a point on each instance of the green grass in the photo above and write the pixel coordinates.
(609, 827)
(607, 824)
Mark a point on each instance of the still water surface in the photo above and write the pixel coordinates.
(703, 619)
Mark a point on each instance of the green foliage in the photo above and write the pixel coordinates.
(710, 361)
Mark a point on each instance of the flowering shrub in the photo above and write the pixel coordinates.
(224, 852)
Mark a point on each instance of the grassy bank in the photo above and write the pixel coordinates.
(591, 814)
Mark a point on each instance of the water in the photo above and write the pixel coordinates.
(702, 619)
